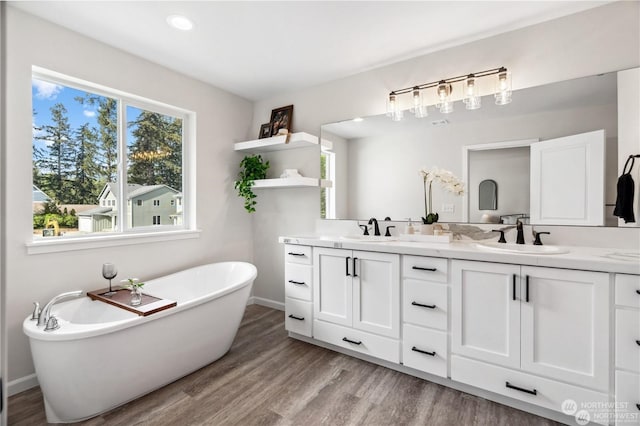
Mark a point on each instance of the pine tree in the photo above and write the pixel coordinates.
(107, 133)
(87, 172)
(59, 162)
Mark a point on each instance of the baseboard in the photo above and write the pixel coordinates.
(22, 384)
(266, 302)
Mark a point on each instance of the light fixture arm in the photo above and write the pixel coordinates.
(423, 86)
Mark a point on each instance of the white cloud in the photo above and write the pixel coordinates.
(46, 90)
(88, 113)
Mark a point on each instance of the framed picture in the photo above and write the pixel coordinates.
(265, 131)
(281, 119)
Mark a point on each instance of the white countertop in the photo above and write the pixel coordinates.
(582, 258)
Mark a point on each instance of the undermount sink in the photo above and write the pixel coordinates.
(630, 256)
(521, 248)
(369, 238)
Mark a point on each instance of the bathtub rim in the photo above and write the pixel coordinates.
(72, 331)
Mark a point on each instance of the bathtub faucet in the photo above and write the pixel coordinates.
(46, 311)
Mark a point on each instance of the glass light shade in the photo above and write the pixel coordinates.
(392, 105)
(418, 109)
(503, 88)
(444, 95)
(471, 95)
(398, 115)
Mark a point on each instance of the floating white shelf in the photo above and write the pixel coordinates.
(297, 182)
(279, 143)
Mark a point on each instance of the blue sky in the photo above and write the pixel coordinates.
(45, 95)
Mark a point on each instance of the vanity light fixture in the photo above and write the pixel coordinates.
(180, 22)
(444, 90)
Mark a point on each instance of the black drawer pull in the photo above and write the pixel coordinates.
(531, 392)
(638, 342)
(638, 291)
(296, 318)
(295, 254)
(638, 407)
(423, 352)
(296, 282)
(344, 339)
(420, 268)
(423, 306)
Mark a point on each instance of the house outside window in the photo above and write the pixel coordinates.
(81, 132)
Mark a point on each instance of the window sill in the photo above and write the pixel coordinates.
(101, 241)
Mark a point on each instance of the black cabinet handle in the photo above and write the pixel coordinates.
(638, 342)
(346, 265)
(296, 282)
(420, 268)
(638, 407)
(344, 339)
(354, 267)
(514, 286)
(423, 352)
(638, 291)
(526, 290)
(423, 306)
(296, 318)
(295, 254)
(531, 392)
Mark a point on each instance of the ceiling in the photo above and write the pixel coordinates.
(259, 49)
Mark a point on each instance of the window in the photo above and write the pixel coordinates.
(173, 202)
(328, 195)
(81, 132)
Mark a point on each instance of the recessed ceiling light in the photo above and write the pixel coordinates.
(180, 22)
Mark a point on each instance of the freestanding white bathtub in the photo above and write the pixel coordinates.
(103, 356)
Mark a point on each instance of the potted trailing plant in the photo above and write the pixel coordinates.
(448, 181)
(252, 167)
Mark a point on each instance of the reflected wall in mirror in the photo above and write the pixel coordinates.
(376, 161)
(488, 195)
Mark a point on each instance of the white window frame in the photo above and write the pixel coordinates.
(123, 235)
(330, 191)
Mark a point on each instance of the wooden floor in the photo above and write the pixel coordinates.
(268, 378)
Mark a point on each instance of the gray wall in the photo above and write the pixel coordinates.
(599, 40)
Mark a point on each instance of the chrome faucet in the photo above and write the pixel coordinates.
(376, 229)
(43, 319)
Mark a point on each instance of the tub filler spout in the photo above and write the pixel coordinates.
(46, 311)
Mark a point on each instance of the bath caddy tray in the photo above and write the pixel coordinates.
(122, 298)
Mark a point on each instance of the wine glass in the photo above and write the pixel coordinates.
(109, 272)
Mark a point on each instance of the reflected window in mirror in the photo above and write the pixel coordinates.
(488, 194)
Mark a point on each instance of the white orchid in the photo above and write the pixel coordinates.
(447, 180)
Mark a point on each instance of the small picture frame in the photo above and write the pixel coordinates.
(265, 131)
(281, 119)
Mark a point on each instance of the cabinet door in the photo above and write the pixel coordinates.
(376, 293)
(332, 285)
(485, 312)
(565, 325)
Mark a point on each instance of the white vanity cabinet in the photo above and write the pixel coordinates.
(357, 300)
(425, 307)
(298, 273)
(550, 323)
(627, 348)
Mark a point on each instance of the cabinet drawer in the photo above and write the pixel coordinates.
(628, 339)
(361, 341)
(628, 290)
(298, 317)
(425, 268)
(425, 304)
(627, 398)
(548, 393)
(297, 254)
(297, 281)
(424, 350)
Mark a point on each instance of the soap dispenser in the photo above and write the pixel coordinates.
(409, 228)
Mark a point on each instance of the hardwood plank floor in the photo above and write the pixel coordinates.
(269, 379)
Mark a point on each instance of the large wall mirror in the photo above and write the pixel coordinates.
(375, 162)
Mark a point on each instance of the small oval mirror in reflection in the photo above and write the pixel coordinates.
(488, 193)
